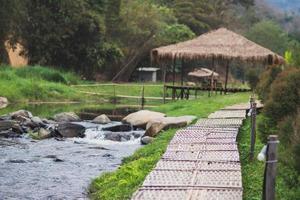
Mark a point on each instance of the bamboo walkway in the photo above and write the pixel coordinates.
(201, 162)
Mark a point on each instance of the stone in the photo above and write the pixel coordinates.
(37, 121)
(118, 128)
(142, 117)
(3, 102)
(21, 113)
(66, 117)
(102, 119)
(155, 126)
(44, 134)
(6, 125)
(17, 129)
(68, 130)
(146, 140)
(5, 117)
(117, 136)
(9, 134)
(49, 121)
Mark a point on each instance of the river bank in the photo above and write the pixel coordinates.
(121, 183)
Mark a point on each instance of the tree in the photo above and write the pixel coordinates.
(270, 35)
(11, 12)
(145, 25)
(67, 33)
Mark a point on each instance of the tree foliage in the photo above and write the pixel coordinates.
(67, 33)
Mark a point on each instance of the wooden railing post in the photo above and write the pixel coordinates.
(253, 130)
(270, 169)
(164, 93)
(143, 97)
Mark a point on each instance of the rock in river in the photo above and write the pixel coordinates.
(7, 124)
(117, 136)
(118, 128)
(43, 133)
(156, 125)
(142, 117)
(102, 119)
(71, 130)
(66, 117)
(21, 113)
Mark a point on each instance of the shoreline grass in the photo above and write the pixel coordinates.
(123, 182)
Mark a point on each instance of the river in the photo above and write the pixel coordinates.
(58, 169)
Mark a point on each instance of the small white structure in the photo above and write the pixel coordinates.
(148, 74)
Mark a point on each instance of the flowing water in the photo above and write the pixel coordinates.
(58, 169)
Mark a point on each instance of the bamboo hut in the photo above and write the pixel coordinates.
(204, 75)
(221, 44)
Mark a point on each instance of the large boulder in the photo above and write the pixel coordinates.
(21, 114)
(118, 128)
(6, 125)
(71, 130)
(155, 126)
(3, 102)
(142, 117)
(66, 117)
(102, 119)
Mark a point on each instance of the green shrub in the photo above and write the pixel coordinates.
(265, 81)
(252, 78)
(284, 97)
(41, 73)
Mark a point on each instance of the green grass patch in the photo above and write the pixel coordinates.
(122, 183)
(36, 83)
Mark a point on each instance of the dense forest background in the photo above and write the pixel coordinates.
(108, 39)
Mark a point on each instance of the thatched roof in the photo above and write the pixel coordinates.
(203, 73)
(219, 44)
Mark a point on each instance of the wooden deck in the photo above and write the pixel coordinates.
(201, 162)
(184, 92)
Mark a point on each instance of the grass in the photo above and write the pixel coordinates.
(36, 83)
(287, 180)
(122, 183)
(252, 172)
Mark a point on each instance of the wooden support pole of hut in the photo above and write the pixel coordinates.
(212, 77)
(270, 169)
(174, 73)
(182, 73)
(226, 77)
(164, 74)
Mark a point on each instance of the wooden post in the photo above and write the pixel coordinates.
(174, 75)
(270, 169)
(164, 89)
(182, 73)
(253, 130)
(226, 77)
(143, 97)
(212, 76)
(115, 96)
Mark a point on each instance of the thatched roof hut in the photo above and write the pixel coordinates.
(203, 73)
(219, 44)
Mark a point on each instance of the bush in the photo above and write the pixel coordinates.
(284, 97)
(281, 112)
(265, 81)
(252, 78)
